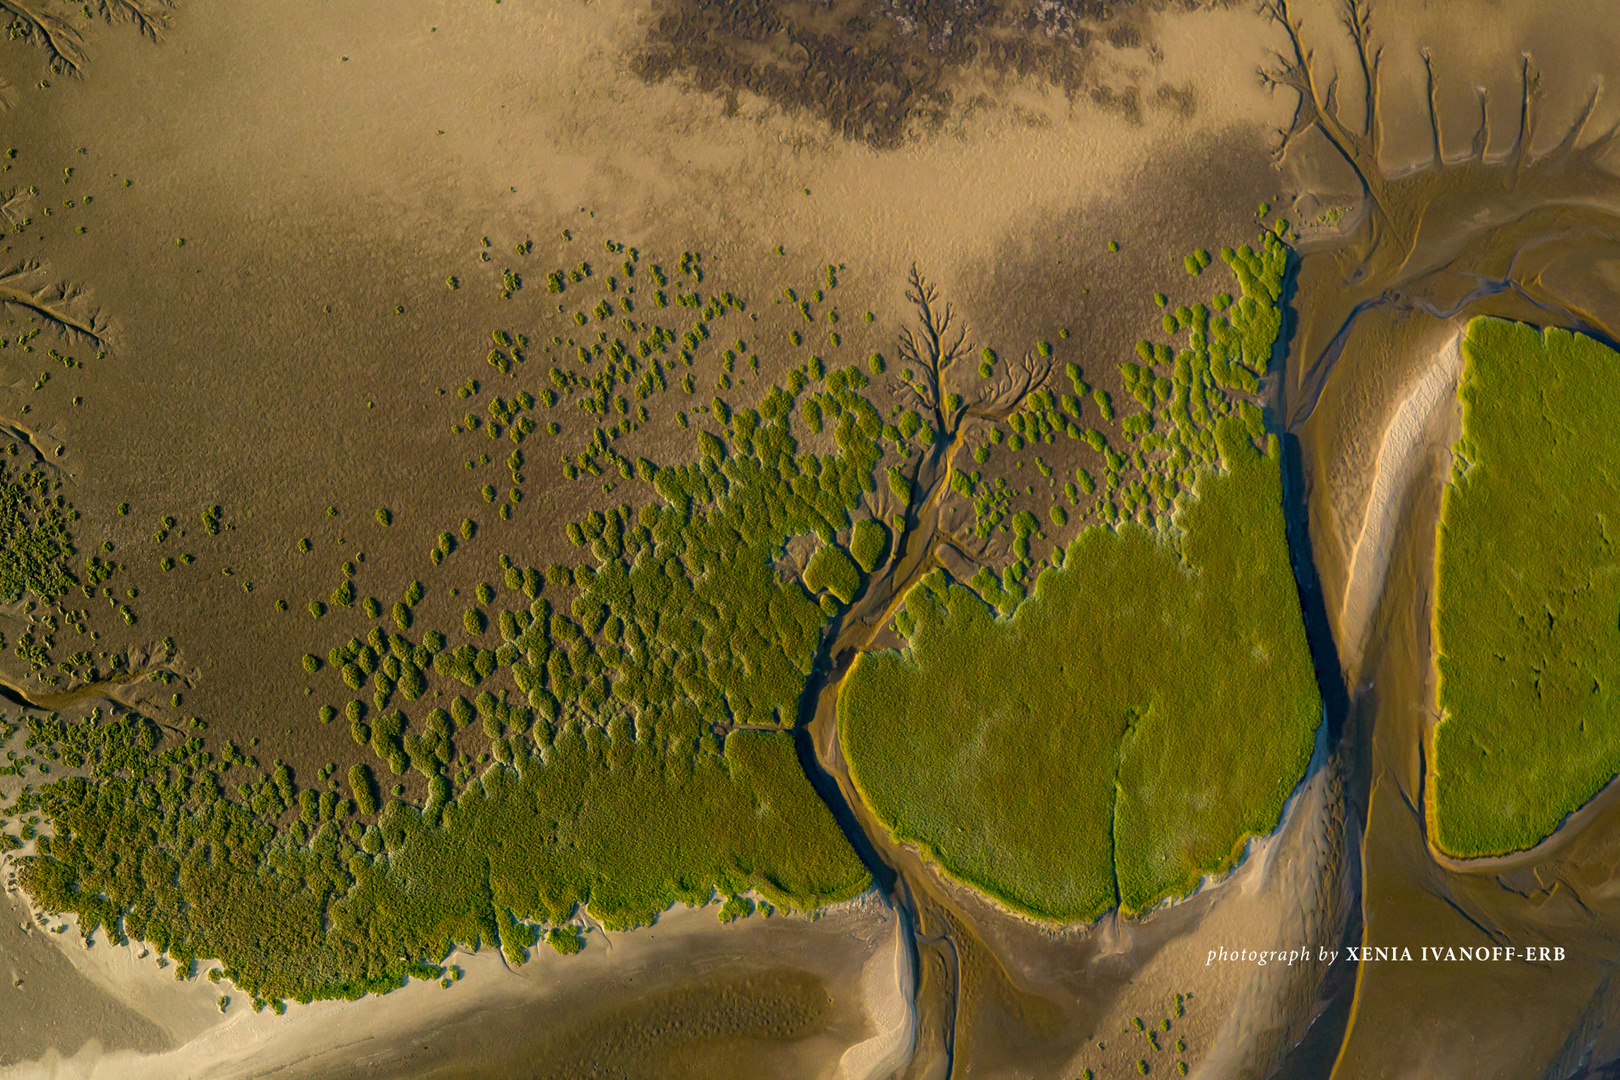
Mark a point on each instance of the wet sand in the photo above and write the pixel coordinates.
(1440, 1019)
(689, 996)
(1423, 424)
(50, 1007)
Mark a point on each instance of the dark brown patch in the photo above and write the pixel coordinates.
(1181, 100)
(1124, 36)
(1126, 102)
(875, 69)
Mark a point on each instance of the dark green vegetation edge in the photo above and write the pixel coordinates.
(152, 849)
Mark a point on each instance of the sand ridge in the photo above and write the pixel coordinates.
(1409, 441)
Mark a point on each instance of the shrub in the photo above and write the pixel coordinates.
(869, 544)
(364, 789)
(830, 570)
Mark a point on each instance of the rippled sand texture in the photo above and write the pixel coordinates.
(1416, 430)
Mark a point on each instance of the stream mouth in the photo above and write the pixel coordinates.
(99, 690)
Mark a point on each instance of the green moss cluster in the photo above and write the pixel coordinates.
(37, 557)
(869, 544)
(390, 661)
(1150, 457)
(831, 570)
(683, 617)
(991, 498)
(34, 536)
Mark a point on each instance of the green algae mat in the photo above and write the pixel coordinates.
(1527, 609)
(1119, 735)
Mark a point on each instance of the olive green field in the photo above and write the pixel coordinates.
(1164, 704)
(1163, 710)
(1527, 634)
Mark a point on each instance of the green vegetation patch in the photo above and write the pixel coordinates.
(1528, 587)
(625, 777)
(1166, 707)
(149, 846)
(831, 571)
(869, 544)
(34, 536)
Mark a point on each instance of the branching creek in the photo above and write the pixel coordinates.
(938, 926)
(1511, 235)
(1523, 235)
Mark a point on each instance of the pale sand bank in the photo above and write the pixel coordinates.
(1410, 440)
(855, 950)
